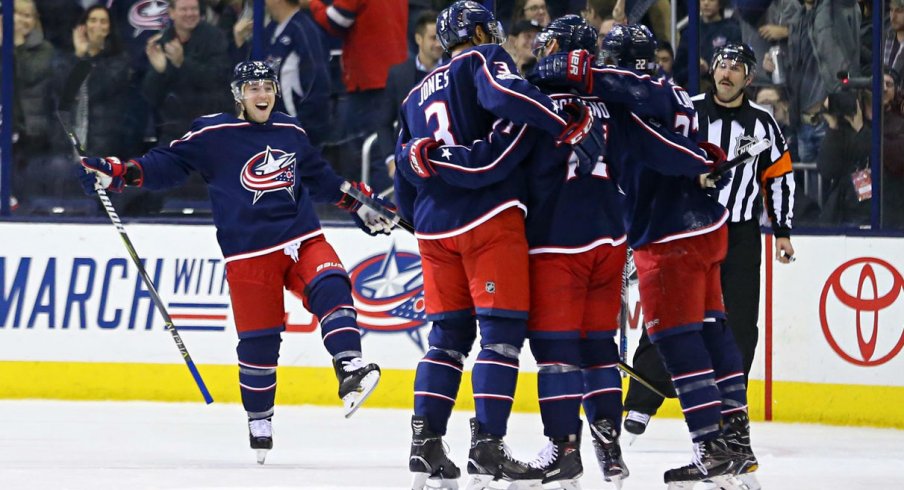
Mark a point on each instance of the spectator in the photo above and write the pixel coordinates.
(520, 43)
(189, 72)
(223, 13)
(402, 78)
(767, 33)
(374, 40)
(297, 49)
(665, 58)
(531, 10)
(824, 41)
(58, 18)
(716, 31)
(893, 51)
(844, 160)
(95, 83)
(892, 151)
(597, 12)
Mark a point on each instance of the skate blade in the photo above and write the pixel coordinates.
(722, 482)
(750, 480)
(353, 401)
(629, 437)
(562, 485)
(422, 481)
(481, 482)
(261, 455)
(617, 481)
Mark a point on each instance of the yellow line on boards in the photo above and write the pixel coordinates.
(833, 404)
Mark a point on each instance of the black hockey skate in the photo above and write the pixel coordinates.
(490, 465)
(736, 430)
(356, 382)
(559, 464)
(635, 424)
(608, 451)
(428, 460)
(260, 434)
(713, 461)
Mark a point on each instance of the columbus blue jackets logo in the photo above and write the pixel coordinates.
(149, 15)
(388, 290)
(269, 171)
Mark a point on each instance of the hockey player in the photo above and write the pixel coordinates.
(472, 243)
(263, 174)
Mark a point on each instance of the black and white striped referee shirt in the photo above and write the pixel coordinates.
(769, 175)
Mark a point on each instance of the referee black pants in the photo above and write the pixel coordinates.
(741, 293)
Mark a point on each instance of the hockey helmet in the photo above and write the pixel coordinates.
(738, 53)
(458, 23)
(251, 71)
(570, 32)
(630, 46)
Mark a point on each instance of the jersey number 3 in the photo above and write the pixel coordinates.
(440, 111)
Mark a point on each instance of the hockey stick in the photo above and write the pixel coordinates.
(117, 223)
(372, 203)
(751, 151)
(623, 313)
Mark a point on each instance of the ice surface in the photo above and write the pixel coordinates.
(130, 446)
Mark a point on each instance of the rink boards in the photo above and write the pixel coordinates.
(76, 323)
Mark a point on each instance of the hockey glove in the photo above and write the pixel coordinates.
(714, 154)
(372, 222)
(418, 156)
(570, 69)
(577, 125)
(104, 173)
(590, 150)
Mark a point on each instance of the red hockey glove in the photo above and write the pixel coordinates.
(372, 222)
(351, 204)
(570, 69)
(714, 154)
(107, 173)
(578, 124)
(418, 156)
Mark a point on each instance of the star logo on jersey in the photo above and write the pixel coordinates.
(447, 154)
(388, 290)
(269, 171)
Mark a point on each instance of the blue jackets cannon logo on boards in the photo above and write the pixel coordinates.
(388, 290)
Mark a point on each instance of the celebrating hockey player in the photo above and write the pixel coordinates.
(472, 243)
(263, 174)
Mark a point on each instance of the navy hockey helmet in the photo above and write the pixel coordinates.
(251, 71)
(458, 23)
(738, 53)
(570, 32)
(630, 46)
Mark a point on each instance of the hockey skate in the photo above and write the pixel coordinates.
(558, 465)
(491, 465)
(356, 382)
(260, 434)
(428, 460)
(608, 452)
(635, 424)
(713, 462)
(736, 431)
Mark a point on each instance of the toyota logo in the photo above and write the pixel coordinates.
(843, 305)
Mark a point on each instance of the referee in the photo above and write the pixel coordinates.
(728, 119)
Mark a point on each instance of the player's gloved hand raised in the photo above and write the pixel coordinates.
(372, 222)
(418, 156)
(590, 150)
(106, 173)
(571, 69)
(579, 121)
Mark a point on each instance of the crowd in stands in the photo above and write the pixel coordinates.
(127, 75)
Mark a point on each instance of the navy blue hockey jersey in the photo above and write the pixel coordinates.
(457, 104)
(261, 177)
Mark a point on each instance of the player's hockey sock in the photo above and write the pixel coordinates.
(257, 374)
(602, 382)
(495, 372)
(331, 300)
(687, 360)
(727, 365)
(436, 385)
(559, 385)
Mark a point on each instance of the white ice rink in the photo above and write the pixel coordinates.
(131, 446)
